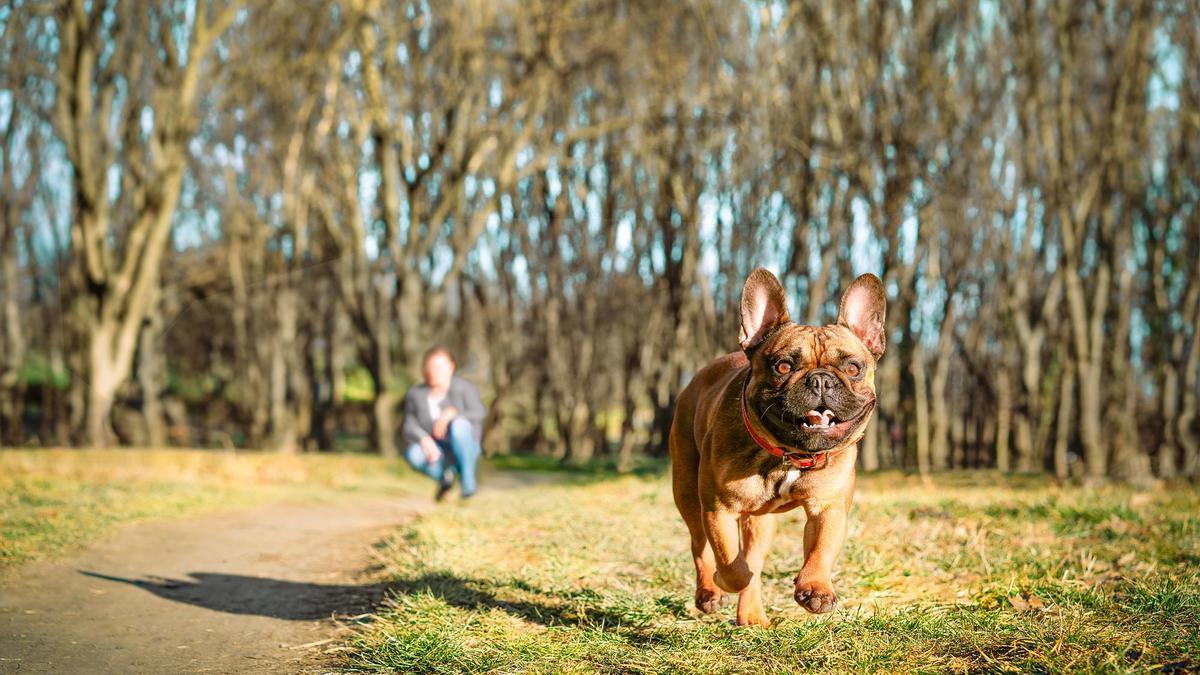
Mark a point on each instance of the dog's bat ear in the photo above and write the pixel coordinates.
(863, 311)
(764, 306)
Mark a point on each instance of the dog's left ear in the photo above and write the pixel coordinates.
(764, 306)
(863, 311)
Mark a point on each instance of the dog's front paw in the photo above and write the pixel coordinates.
(709, 600)
(816, 597)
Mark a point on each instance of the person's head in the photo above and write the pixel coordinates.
(437, 367)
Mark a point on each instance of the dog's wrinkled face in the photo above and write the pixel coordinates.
(812, 387)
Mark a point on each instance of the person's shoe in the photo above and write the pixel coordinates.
(468, 495)
(443, 489)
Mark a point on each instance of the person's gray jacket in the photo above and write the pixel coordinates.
(462, 395)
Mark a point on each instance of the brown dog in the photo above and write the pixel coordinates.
(770, 428)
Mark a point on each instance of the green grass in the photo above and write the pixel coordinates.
(598, 468)
(54, 501)
(974, 573)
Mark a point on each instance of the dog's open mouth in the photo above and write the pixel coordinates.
(823, 420)
(819, 418)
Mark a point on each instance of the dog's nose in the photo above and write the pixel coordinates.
(820, 381)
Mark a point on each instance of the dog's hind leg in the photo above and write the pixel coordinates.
(757, 534)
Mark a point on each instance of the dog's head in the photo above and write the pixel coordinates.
(812, 387)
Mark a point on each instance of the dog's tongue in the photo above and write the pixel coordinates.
(819, 419)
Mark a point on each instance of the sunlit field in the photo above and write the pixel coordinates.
(976, 572)
(54, 501)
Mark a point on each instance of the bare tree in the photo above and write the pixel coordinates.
(127, 81)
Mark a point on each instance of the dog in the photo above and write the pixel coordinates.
(772, 428)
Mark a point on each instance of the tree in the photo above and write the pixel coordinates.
(127, 81)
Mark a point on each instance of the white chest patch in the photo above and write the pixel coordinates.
(789, 481)
(786, 487)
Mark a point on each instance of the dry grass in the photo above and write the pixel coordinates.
(53, 501)
(976, 572)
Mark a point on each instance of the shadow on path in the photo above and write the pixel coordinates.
(301, 601)
(275, 598)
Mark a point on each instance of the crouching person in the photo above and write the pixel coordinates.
(443, 424)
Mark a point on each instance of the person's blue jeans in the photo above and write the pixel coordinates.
(460, 451)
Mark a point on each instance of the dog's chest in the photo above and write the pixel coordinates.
(787, 483)
(784, 490)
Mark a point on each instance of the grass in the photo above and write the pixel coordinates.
(598, 468)
(53, 502)
(975, 573)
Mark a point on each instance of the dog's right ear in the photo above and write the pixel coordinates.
(764, 306)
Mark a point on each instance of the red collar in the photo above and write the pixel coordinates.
(800, 460)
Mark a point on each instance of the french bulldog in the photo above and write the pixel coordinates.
(768, 429)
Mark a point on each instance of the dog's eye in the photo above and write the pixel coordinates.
(783, 367)
(851, 369)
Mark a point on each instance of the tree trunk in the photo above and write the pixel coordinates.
(1023, 441)
(12, 342)
(1164, 456)
(958, 438)
(1188, 410)
(1003, 419)
(284, 434)
(1129, 462)
(1062, 428)
(921, 403)
(383, 425)
(869, 449)
(939, 450)
(105, 377)
(1087, 333)
(151, 378)
(887, 382)
(580, 443)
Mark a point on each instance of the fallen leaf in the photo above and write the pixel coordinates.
(1024, 602)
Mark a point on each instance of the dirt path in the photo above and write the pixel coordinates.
(243, 591)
